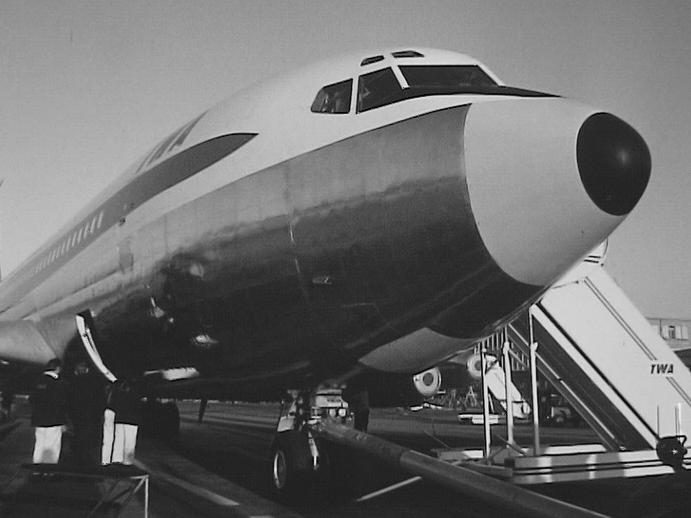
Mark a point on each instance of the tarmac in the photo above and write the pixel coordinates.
(178, 486)
(220, 468)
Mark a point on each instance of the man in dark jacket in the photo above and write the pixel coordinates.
(48, 402)
(86, 400)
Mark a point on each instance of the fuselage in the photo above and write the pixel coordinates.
(343, 215)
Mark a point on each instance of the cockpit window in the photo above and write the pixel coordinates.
(377, 89)
(446, 76)
(333, 98)
(407, 54)
(371, 59)
(382, 87)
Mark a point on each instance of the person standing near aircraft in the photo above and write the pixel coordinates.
(108, 426)
(48, 403)
(85, 405)
(128, 415)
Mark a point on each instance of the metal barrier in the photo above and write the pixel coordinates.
(133, 478)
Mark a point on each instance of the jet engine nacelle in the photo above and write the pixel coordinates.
(387, 390)
(428, 383)
(466, 368)
(474, 366)
(390, 390)
(463, 369)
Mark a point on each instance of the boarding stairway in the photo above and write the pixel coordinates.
(603, 356)
(595, 347)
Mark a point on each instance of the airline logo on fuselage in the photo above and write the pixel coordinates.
(167, 145)
(662, 368)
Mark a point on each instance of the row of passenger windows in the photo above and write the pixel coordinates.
(383, 87)
(75, 238)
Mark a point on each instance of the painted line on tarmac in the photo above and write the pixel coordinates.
(187, 486)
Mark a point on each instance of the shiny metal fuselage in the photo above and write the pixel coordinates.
(266, 245)
(306, 265)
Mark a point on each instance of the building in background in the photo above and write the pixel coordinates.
(675, 332)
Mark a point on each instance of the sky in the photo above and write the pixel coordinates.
(86, 87)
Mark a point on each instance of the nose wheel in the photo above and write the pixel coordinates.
(299, 466)
(280, 469)
(292, 469)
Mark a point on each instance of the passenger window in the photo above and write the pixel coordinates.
(378, 89)
(333, 98)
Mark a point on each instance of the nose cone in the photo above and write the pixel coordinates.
(548, 180)
(614, 163)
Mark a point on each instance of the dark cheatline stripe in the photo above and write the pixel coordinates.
(141, 189)
(173, 171)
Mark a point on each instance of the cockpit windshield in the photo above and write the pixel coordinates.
(446, 76)
(426, 80)
(377, 89)
(382, 87)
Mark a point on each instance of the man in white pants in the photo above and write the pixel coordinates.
(48, 404)
(108, 427)
(126, 405)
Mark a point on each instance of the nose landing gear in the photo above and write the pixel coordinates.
(299, 461)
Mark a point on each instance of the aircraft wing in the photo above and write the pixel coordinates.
(21, 341)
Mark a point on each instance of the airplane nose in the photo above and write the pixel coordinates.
(548, 180)
(613, 161)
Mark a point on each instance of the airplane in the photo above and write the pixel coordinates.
(335, 230)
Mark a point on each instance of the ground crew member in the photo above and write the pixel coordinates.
(108, 426)
(125, 402)
(48, 402)
(128, 416)
(85, 406)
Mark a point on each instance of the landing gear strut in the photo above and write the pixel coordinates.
(359, 406)
(299, 462)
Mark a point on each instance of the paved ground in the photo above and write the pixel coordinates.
(178, 486)
(219, 468)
